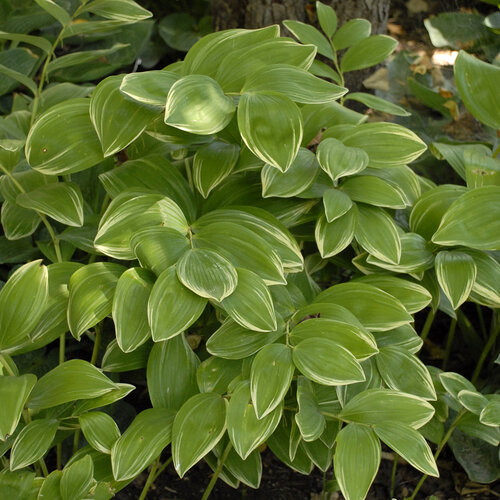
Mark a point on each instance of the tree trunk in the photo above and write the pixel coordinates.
(258, 13)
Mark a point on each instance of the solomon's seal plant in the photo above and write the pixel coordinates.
(175, 227)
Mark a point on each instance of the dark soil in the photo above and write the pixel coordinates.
(281, 483)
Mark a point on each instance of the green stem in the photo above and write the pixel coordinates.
(62, 348)
(393, 474)
(76, 440)
(217, 471)
(496, 152)
(59, 456)
(150, 479)
(449, 342)
(97, 344)
(188, 173)
(49, 57)
(163, 467)
(45, 471)
(55, 241)
(428, 324)
(482, 324)
(7, 366)
(495, 329)
(438, 451)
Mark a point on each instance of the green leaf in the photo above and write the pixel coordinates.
(472, 401)
(352, 337)
(77, 479)
(477, 84)
(118, 121)
(51, 486)
(205, 55)
(467, 223)
(149, 87)
(240, 64)
(32, 442)
(91, 291)
(207, 274)
(319, 68)
(337, 160)
(267, 226)
(129, 308)
(299, 176)
(415, 256)
(336, 204)
(100, 430)
(56, 11)
(36, 41)
(271, 126)
(212, 164)
(120, 10)
(308, 34)
(216, 374)
(374, 308)
(327, 18)
(153, 172)
(251, 305)
(356, 461)
(481, 169)
(309, 418)
(22, 301)
(79, 60)
(456, 273)
(171, 373)
(116, 361)
(243, 247)
(373, 191)
(490, 415)
(119, 392)
(381, 406)
(295, 83)
(412, 295)
(333, 237)
(131, 211)
(377, 233)
(351, 32)
(454, 383)
(428, 211)
(326, 362)
(245, 430)
(63, 201)
(377, 103)
(232, 341)
(409, 444)
(367, 52)
(387, 144)
(19, 77)
(472, 426)
(270, 377)
(169, 294)
(198, 426)
(72, 380)
(142, 442)
(14, 391)
(158, 247)
(80, 149)
(486, 288)
(197, 104)
(18, 222)
(404, 372)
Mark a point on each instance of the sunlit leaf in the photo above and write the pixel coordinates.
(169, 294)
(271, 126)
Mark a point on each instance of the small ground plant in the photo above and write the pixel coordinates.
(226, 232)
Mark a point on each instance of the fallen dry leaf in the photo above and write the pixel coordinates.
(378, 80)
(417, 6)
